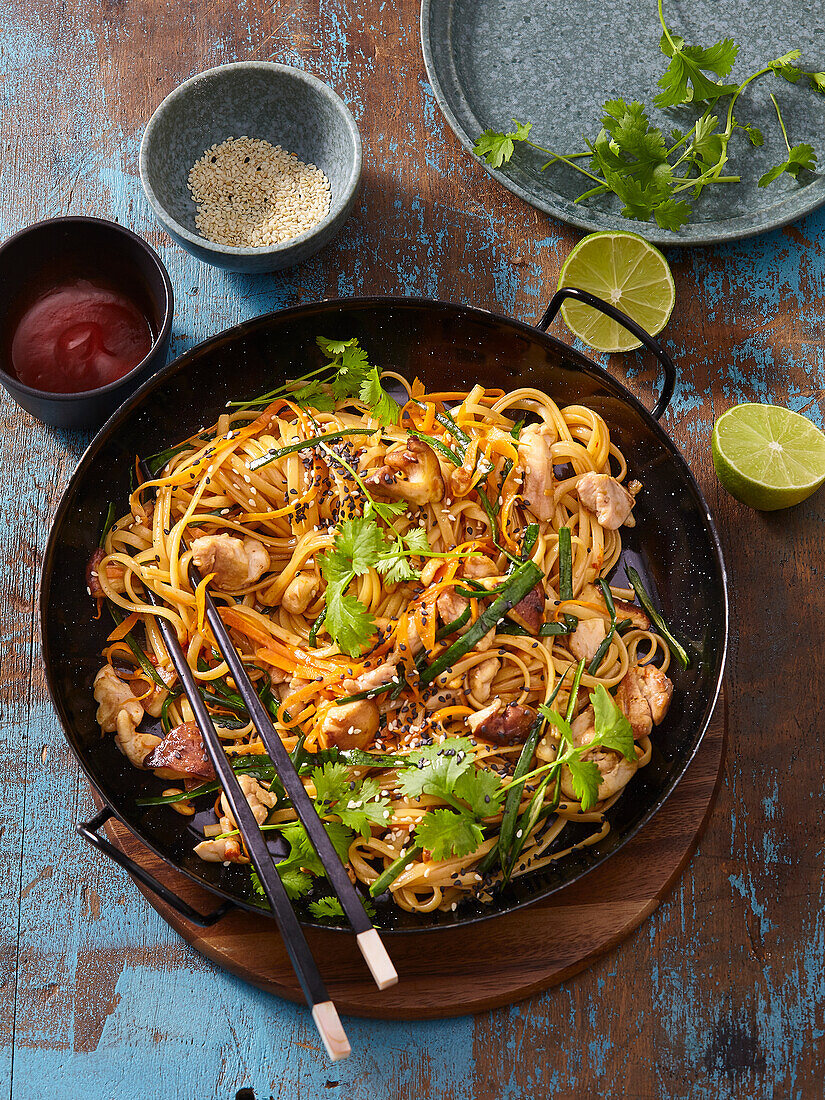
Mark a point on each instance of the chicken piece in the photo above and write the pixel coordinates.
(481, 676)
(410, 472)
(624, 610)
(441, 697)
(529, 611)
(644, 697)
(221, 850)
(260, 800)
(615, 770)
(372, 678)
(181, 753)
(300, 592)
(352, 725)
(134, 745)
(450, 606)
(114, 575)
(507, 726)
(586, 638)
(608, 498)
(114, 696)
(475, 721)
(478, 567)
(536, 459)
(235, 562)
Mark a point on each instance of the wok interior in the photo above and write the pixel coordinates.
(447, 347)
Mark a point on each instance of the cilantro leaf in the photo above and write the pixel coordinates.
(304, 856)
(396, 569)
(316, 394)
(799, 157)
(445, 833)
(782, 66)
(613, 730)
(362, 542)
(356, 802)
(296, 883)
(556, 720)
(385, 510)
(817, 81)
(671, 214)
(416, 541)
(586, 778)
(348, 622)
(436, 768)
(333, 348)
(325, 908)
(497, 148)
(481, 790)
(383, 405)
(685, 80)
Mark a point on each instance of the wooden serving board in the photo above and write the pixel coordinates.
(484, 965)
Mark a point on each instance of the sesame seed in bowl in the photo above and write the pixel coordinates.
(251, 193)
(268, 198)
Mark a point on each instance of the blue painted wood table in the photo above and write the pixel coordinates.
(721, 993)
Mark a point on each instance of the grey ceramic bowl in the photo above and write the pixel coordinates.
(256, 99)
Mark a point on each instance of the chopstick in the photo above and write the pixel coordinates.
(324, 1012)
(369, 942)
(367, 938)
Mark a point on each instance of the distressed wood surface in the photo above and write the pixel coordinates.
(722, 992)
(439, 974)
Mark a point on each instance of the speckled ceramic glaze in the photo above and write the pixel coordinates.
(554, 62)
(280, 104)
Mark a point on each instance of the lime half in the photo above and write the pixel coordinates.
(623, 269)
(768, 457)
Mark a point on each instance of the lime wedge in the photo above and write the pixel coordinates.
(623, 269)
(768, 457)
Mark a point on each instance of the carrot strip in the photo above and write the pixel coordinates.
(122, 629)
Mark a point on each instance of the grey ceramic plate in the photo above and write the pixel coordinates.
(554, 62)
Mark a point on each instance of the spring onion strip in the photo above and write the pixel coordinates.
(565, 564)
(437, 445)
(599, 655)
(383, 881)
(508, 821)
(304, 444)
(312, 640)
(452, 627)
(140, 656)
(525, 578)
(111, 516)
(658, 621)
(549, 630)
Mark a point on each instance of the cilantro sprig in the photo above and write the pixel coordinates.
(354, 377)
(651, 174)
(447, 771)
(348, 375)
(360, 545)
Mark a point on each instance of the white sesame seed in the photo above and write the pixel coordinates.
(251, 193)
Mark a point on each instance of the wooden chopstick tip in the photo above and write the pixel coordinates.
(377, 959)
(331, 1030)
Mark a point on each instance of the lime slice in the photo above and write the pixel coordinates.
(623, 269)
(768, 457)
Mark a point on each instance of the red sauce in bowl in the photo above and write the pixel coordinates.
(78, 335)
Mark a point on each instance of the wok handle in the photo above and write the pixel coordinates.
(89, 831)
(621, 318)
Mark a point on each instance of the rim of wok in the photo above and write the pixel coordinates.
(142, 399)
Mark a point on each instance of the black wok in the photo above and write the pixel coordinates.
(674, 545)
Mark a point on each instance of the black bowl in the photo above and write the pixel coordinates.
(83, 248)
(674, 545)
